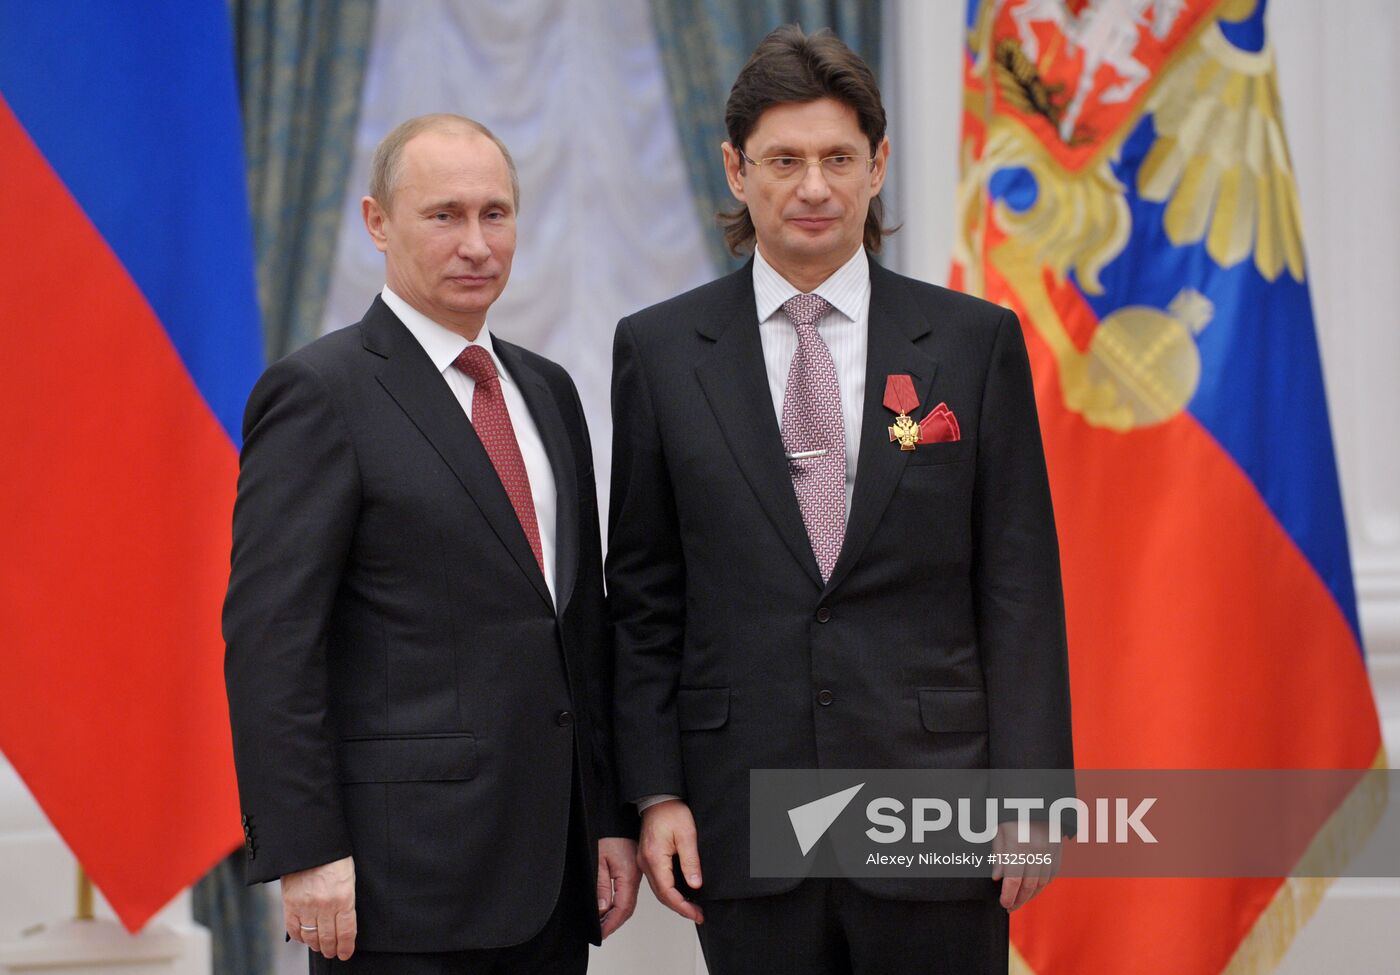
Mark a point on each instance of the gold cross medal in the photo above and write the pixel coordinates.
(901, 399)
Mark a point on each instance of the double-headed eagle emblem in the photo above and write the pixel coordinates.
(1056, 88)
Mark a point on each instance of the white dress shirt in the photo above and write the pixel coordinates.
(443, 347)
(843, 329)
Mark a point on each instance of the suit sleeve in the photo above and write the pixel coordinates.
(298, 498)
(1016, 571)
(610, 815)
(646, 585)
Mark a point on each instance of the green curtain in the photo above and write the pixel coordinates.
(239, 919)
(301, 66)
(704, 43)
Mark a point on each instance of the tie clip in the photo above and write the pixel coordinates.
(806, 454)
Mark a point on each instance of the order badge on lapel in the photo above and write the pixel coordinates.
(901, 399)
(939, 426)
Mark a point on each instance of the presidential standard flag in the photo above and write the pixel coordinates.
(130, 344)
(1126, 188)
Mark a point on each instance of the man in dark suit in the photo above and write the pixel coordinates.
(792, 589)
(418, 660)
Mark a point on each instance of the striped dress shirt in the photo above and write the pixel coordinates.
(843, 329)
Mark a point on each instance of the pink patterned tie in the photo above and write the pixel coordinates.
(813, 434)
(491, 420)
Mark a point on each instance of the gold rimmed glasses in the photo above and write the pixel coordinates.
(785, 169)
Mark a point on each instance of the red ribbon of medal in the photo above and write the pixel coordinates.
(901, 399)
(899, 394)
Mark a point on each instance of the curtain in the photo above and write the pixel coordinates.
(300, 67)
(704, 44)
(575, 89)
(239, 919)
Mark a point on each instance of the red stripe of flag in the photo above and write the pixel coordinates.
(116, 504)
(1224, 650)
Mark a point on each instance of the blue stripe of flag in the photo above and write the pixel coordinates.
(135, 105)
(1261, 392)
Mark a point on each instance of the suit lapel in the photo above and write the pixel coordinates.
(544, 408)
(414, 383)
(736, 387)
(895, 323)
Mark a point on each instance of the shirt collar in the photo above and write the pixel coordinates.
(442, 344)
(846, 289)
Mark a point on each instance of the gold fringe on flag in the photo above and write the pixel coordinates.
(1296, 901)
(1297, 898)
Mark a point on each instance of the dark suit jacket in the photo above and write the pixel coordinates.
(939, 640)
(400, 686)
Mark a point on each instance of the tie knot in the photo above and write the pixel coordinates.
(476, 362)
(806, 310)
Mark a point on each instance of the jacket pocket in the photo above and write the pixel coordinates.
(702, 708)
(953, 709)
(409, 758)
(947, 452)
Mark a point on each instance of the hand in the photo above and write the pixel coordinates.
(618, 880)
(1022, 881)
(669, 829)
(324, 898)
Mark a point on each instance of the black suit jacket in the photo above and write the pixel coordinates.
(938, 641)
(401, 687)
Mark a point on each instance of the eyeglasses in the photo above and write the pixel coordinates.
(785, 169)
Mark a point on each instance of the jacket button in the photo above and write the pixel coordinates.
(564, 718)
(823, 615)
(825, 697)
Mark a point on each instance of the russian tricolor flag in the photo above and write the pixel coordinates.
(130, 343)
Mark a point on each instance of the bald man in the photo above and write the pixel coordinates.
(418, 660)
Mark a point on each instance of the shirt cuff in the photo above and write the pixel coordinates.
(646, 802)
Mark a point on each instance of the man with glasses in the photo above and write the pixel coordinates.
(831, 542)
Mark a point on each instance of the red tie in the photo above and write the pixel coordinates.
(492, 422)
